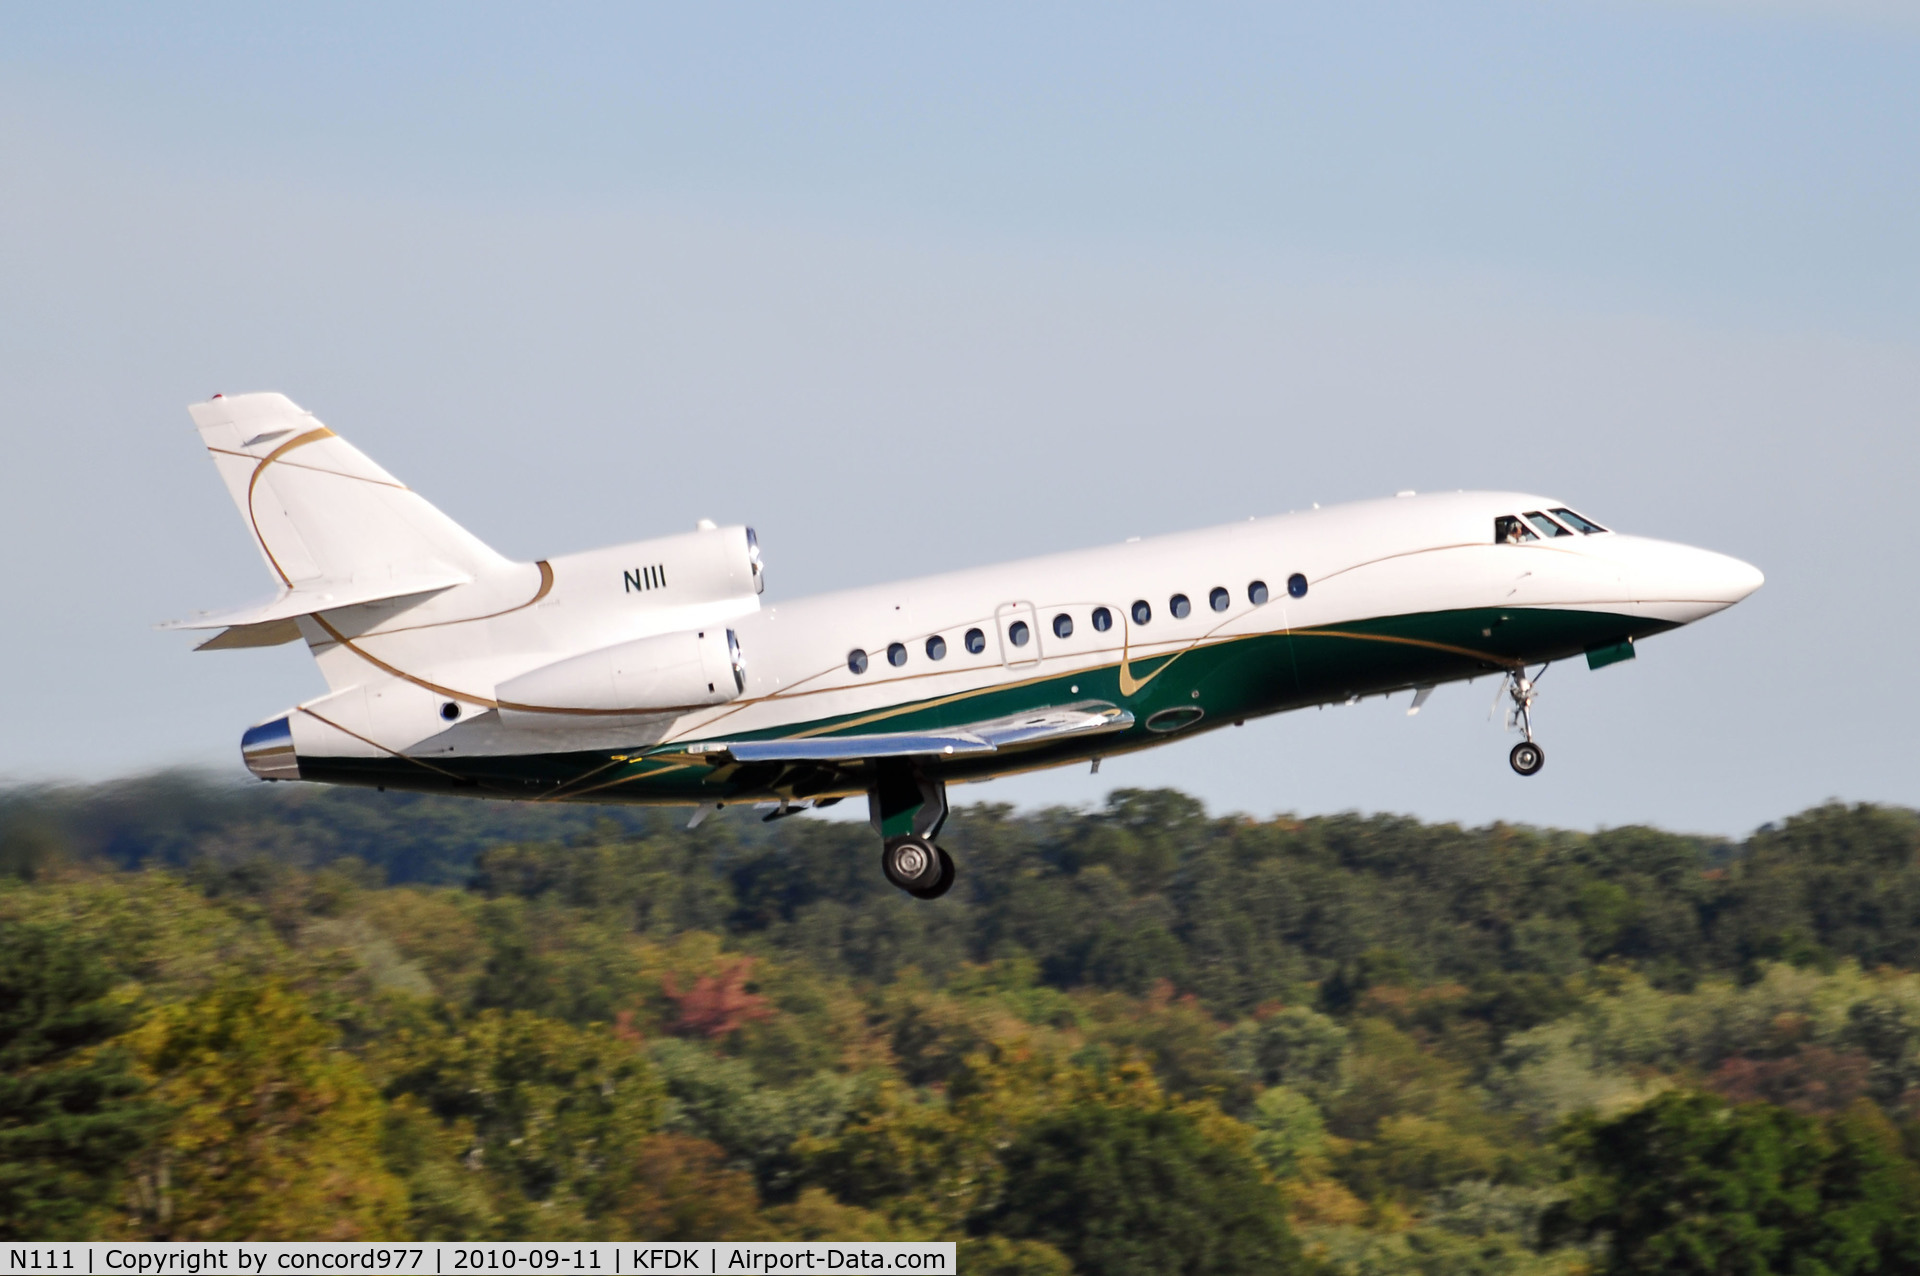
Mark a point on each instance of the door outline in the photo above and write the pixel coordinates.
(1003, 617)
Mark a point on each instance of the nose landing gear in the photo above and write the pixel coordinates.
(1526, 758)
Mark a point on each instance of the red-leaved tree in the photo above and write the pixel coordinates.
(718, 1004)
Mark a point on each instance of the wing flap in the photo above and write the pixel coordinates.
(857, 748)
(1043, 726)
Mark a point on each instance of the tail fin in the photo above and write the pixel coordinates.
(333, 527)
(317, 507)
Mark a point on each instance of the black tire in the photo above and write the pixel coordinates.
(943, 883)
(1527, 758)
(911, 863)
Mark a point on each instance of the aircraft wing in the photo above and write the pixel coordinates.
(1040, 727)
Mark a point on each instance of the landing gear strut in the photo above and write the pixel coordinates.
(907, 808)
(1526, 757)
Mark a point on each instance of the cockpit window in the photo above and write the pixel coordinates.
(1585, 526)
(1548, 528)
(1509, 530)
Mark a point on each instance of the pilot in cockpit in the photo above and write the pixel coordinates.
(1507, 530)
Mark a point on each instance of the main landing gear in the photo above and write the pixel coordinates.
(1526, 758)
(908, 808)
(917, 866)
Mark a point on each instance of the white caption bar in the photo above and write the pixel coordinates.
(450, 1258)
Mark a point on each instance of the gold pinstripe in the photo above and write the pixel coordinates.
(253, 481)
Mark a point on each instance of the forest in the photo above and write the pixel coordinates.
(1142, 1038)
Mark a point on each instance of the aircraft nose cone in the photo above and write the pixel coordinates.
(1721, 578)
(1678, 583)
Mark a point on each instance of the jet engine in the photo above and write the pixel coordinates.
(661, 674)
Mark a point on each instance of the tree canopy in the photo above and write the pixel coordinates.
(1138, 1038)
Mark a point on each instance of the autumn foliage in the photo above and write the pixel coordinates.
(718, 1004)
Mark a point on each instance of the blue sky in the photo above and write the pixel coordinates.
(912, 288)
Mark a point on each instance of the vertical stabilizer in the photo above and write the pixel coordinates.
(319, 510)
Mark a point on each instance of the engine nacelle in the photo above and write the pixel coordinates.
(661, 674)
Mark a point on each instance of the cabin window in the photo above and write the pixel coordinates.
(1257, 592)
(1102, 619)
(1018, 633)
(1063, 626)
(1219, 598)
(1508, 530)
(896, 654)
(976, 642)
(1297, 585)
(1179, 606)
(1141, 612)
(936, 648)
(1548, 528)
(857, 660)
(1585, 526)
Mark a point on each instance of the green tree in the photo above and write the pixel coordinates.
(555, 1114)
(1290, 1046)
(273, 1131)
(71, 1109)
(684, 1191)
(1127, 1189)
(1689, 1183)
(719, 1099)
(1291, 1136)
(999, 1256)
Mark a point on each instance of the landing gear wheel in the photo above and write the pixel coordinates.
(942, 884)
(1527, 758)
(912, 863)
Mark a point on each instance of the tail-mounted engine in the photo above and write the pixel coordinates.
(666, 673)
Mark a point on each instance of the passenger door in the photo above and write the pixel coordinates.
(1019, 629)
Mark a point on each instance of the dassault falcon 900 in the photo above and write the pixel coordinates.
(651, 672)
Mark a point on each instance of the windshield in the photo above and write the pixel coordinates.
(1575, 521)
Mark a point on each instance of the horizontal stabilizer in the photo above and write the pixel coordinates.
(1043, 727)
(325, 595)
(271, 634)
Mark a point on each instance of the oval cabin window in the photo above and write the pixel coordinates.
(1018, 633)
(1257, 592)
(976, 642)
(857, 660)
(1102, 619)
(936, 648)
(1179, 606)
(1141, 612)
(896, 654)
(1219, 598)
(1297, 585)
(1063, 626)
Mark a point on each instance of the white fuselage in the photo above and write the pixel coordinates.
(1395, 557)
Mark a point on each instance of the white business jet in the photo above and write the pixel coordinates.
(652, 672)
